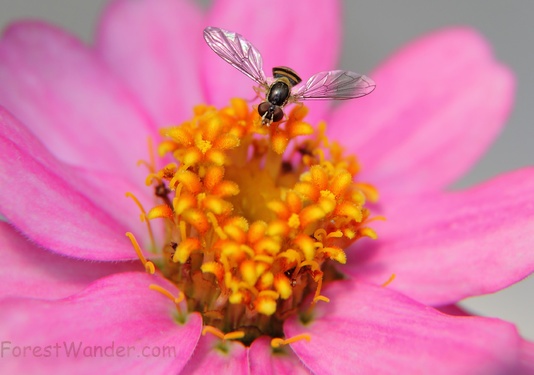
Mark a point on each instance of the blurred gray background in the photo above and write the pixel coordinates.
(386, 25)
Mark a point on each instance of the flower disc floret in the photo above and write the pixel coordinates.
(255, 220)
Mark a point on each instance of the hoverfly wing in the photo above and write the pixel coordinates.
(237, 51)
(335, 84)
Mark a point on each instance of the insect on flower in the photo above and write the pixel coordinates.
(242, 55)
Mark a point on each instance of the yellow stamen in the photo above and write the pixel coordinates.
(278, 342)
(143, 218)
(183, 230)
(185, 248)
(149, 266)
(390, 280)
(166, 293)
(151, 155)
(235, 335)
(266, 305)
(214, 268)
(214, 331)
(151, 164)
(283, 286)
(318, 297)
(161, 211)
(368, 232)
(369, 190)
(377, 218)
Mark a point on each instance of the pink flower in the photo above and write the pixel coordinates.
(75, 119)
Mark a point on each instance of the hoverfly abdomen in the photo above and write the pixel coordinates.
(290, 74)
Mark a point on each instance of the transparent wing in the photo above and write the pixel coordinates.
(237, 51)
(335, 84)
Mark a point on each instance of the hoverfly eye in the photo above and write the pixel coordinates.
(263, 108)
(278, 114)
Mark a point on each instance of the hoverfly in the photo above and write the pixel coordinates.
(242, 55)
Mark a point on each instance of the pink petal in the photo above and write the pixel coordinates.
(276, 29)
(453, 310)
(212, 356)
(30, 271)
(108, 192)
(439, 103)
(373, 330)
(447, 247)
(42, 198)
(68, 98)
(117, 312)
(264, 360)
(154, 47)
(526, 358)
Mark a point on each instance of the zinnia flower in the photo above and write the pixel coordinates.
(260, 259)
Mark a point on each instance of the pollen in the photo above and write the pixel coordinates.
(256, 218)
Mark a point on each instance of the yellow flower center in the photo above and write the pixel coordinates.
(255, 219)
